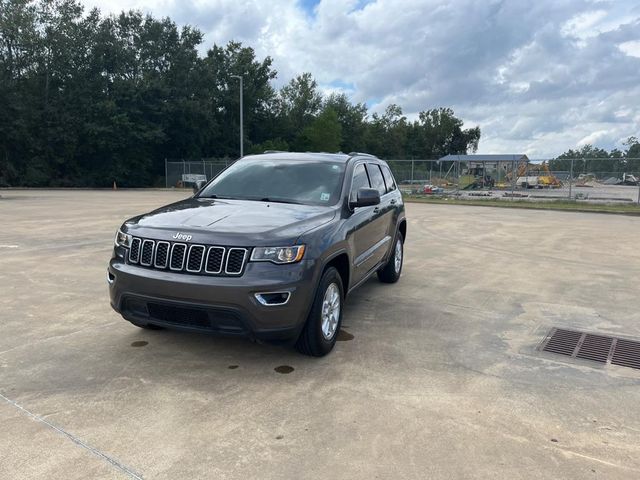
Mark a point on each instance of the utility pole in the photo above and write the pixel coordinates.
(239, 77)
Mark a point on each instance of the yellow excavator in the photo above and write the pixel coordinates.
(534, 175)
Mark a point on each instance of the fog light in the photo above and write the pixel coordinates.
(273, 298)
(110, 277)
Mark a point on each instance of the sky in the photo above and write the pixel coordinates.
(538, 77)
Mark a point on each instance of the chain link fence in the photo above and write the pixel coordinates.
(184, 173)
(584, 179)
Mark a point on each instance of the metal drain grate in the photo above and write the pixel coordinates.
(597, 348)
(626, 354)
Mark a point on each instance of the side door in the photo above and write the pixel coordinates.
(382, 218)
(362, 232)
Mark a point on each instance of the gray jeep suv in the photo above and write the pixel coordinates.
(268, 249)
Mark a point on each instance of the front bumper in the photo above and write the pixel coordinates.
(211, 304)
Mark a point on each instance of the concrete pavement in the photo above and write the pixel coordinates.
(441, 379)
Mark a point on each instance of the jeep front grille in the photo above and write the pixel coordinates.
(235, 260)
(134, 253)
(194, 258)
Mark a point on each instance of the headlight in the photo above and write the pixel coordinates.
(278, 254)
(122, 239)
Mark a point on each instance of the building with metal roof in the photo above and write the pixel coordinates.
(479, 171)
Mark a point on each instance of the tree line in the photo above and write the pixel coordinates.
(590, 159)
(88, 99)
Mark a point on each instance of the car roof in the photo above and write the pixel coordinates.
(332, 157)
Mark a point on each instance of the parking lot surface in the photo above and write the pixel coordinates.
(437, 376)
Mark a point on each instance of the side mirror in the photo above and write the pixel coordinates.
(366, 197)
(197, 185)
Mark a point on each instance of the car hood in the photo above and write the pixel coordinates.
(237, 222)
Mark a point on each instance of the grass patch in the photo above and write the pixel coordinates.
(561, 205)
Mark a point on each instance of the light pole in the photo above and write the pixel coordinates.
(239, 77)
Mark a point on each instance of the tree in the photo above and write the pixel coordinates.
(221, 91)
(441, 133)
(324, 134)
(352, 118)
(387, 133)
(297, 105)
(86, 99)
(589, 159)
(633, 155)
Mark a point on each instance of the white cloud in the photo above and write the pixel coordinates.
(631, 48)
(595, 137)
(538, 77)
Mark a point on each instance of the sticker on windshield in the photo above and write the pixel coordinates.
(324, 197)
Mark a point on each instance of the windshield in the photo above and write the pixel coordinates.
(309, 182)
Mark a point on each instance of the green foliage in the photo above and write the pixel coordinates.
(352, 119)
(633, 154)
(590, 159)
(87, 99)
(277, 144)
(324, 134)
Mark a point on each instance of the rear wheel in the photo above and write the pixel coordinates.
(321, 329)
(391, 271)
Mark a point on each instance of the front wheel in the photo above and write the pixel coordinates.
(391, 271)
(321, 330)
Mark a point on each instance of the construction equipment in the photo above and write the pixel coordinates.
(537, 176)
(629, 179)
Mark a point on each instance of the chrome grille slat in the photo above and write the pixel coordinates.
(178, 254)
(146, 253)
(162, 254)
(134, 252)
(215, 258)
(195, 258)
(188, 258)
(234, 263)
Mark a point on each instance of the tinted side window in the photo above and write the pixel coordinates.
(360, 180)
(377, 181)
(388, 179)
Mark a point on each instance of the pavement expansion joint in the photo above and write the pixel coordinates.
(120, 466)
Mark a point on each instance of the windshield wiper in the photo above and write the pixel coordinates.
(219, 197)
(253, 199)
(280, 200)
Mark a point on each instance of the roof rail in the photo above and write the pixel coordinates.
(353, 154)
(325, 153)
(275, 151)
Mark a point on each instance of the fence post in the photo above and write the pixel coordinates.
(570, 178)
(166, 174)
(514, 174)
(412, 172)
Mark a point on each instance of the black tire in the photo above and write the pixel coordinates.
(312, 341)
(389, 273)
(148, 326)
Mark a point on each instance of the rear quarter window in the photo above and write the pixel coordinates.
(388, 179)
(377, 181)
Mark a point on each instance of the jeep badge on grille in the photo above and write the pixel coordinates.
(182, 236)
